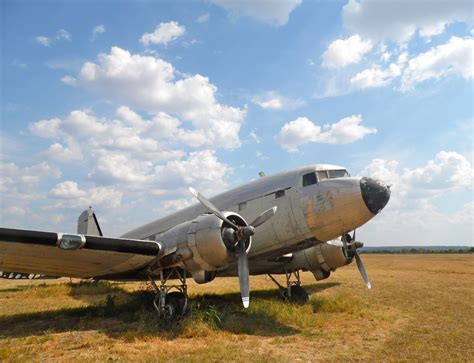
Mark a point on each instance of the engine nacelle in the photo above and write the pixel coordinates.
(200, 244)
(321, 260)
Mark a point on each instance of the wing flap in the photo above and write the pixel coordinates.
(38, 252)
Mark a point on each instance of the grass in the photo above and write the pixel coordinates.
(420, 309)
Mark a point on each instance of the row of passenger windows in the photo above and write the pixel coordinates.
(310, 178)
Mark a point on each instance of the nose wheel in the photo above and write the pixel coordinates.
(171, 301)
(293, 291)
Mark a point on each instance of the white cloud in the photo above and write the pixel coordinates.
(18, 183)
(303, 130)
(16, 211)
(253, 135)
(343, 52)
(163, 34)
(271, 12)
(71, 196)
(272, 100)
(452, 58)
(152, 84)
(204, 18)
(413, 206)
(98, 29)
(448, 171)
(45, 41)
(456, 57)
(399, 20)
(63, 34)
(376, 76)
(132, 152)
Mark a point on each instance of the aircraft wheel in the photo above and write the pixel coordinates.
(175, 305)
(299, 295)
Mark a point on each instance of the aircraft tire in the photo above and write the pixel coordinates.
(175, 302)
(299, 295)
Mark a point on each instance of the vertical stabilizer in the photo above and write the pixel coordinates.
(88, 224)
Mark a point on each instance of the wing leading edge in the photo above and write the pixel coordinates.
(73, 255)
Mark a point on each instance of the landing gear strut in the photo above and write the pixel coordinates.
(171, 301)
(293, 291)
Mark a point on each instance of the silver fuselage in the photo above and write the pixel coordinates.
(306, 215)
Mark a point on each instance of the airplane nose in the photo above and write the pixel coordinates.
(375, 194)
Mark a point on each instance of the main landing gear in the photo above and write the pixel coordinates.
(293, 291)
(171, 301)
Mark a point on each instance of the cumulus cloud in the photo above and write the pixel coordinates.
(153, 85)
(302, 131)
(413, 205)
(16, 183)
(131, 151)
(343, 52)
(448, 171)
(270, 12)
(164, 34)
(400, 20)
(376, 76)
(452, 58)
(272, 100)
(71, 196)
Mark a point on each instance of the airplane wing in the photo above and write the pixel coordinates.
(73, 255)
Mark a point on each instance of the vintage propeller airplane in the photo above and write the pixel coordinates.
(304, 211)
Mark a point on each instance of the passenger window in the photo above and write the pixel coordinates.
(279, 194)
(322, 175)
(309, 179)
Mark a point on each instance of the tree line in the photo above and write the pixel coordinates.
(420, 250)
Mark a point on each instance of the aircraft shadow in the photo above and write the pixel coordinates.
(129, 315)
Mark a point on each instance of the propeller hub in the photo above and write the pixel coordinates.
(248, 231)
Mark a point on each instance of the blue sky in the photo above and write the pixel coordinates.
(123, 105)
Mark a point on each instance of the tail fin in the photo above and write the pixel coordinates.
(87, 223)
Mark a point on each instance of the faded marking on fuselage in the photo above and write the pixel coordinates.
(323, 201)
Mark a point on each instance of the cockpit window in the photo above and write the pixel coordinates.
(322, 175)
(309, 179)
(337, 174)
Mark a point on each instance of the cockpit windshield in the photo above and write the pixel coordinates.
(331, 174)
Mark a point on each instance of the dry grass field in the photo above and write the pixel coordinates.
(421, 308)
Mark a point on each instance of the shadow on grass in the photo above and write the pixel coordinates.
(123, 314)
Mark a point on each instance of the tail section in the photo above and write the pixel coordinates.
(88, 224)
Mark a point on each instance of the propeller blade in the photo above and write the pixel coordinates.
(243, 269)
(212, 207)
(344, 244)
(263, 217)
(361, 267)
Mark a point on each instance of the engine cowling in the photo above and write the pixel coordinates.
(321, 259)
(202, 244)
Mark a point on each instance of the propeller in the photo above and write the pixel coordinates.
(241, 234)
(350, 250)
